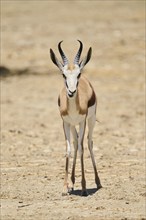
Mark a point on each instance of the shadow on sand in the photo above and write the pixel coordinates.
(78, 192)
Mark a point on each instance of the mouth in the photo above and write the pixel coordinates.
(70, 95)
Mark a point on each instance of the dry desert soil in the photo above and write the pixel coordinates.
(32, 139)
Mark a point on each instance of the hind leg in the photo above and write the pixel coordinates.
(91, 123)
(82, 126)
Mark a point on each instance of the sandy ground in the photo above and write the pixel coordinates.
(33, 147)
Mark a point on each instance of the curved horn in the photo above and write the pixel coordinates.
(77, 57)
(64, 58)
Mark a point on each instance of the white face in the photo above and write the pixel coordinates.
(71, 78)
(71, 75)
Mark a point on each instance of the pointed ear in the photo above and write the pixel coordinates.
(55, 60)
(86, 59)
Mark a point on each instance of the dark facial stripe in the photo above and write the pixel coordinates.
(66, 84)
(79, 75)
(64, 76)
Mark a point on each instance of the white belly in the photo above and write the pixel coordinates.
(74, 118)
(91, 111)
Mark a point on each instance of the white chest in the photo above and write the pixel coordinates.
(73, 116)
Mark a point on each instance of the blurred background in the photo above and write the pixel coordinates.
(33, 146)
(115, 30)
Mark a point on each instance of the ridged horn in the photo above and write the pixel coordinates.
(64, 58)
(77, 57)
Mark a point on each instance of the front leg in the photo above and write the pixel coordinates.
(66, 128)
(75, 141)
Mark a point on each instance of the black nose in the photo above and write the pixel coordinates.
(72, 92)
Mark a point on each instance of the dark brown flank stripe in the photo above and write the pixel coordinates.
(59, 101)
(92, 100)
(63, 113)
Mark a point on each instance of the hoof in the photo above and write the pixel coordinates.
(84, 193)
(67, 191)
(70, 189)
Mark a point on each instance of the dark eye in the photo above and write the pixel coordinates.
(79, 75)
(64, 76)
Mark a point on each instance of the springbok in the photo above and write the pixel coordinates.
(77, 102)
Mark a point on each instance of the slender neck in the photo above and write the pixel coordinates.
(73, 102)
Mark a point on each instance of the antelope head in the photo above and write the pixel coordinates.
(70, 74)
